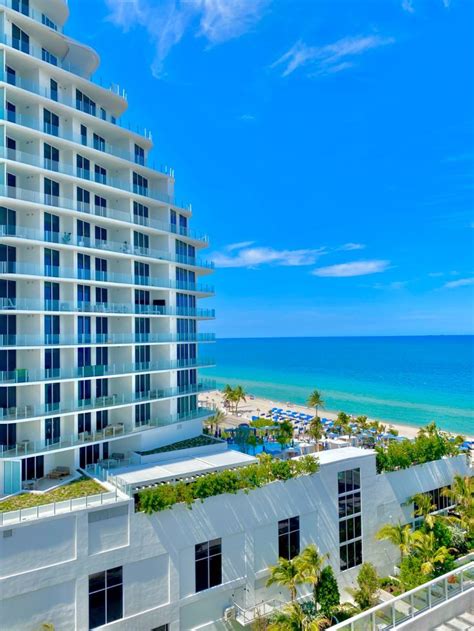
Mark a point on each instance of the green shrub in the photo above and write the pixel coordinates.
(327, 591)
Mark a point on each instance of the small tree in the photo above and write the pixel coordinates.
(287, 574)
(315, 400)
(316, 431)
(327, 591)
(368, 584)
(284, 434)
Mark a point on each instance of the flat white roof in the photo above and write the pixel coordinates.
(175, 468)
(343, 453)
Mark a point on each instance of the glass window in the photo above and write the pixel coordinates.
(208, 564)
(49, 57)
(289, 538)
(105, 597)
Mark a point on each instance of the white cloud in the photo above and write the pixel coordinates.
(242, 255)
(397, 284)
(167, 21)
(407, 5)
(348, 247)
(332, 58)
(248, 118)
(462, 282)
(355, 268)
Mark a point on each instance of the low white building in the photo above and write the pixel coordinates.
(189, 568)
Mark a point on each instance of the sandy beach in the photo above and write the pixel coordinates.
(259, 405)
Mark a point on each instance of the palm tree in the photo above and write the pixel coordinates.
(424, 508)
(316, 431)
(316, 401)
(399, 535)
(462, 494)
(310, 564)
(239, 395)
(293, 618)
(427, 550)
(287, 574)
(228, 392)
(216, 420)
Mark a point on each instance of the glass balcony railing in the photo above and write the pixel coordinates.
(59, 131)
(118, 430)
(99, 211)
(32, 13)
(85, 275)
(103, 339)
(28, 376)
(62, 306)
(32, 411)
(35, 51)
(105, 245)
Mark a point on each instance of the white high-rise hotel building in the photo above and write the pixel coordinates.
(100, 270)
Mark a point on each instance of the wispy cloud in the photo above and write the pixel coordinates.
(329, 59)
(407, 5)
(167, 21)
(243, 255)
(462, 282)
(348, 247)
(397, 284)
(355, 268)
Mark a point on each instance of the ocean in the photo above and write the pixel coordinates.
(410, 380)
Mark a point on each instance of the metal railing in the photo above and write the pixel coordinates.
(103, 339)
(108, 245)
(30, 411)
(28, 376)
(391, 614)
(11, 518)
(90, 275)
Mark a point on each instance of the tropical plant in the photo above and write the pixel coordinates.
(426, 549)
(326, 591)
(315, 400)
(424, 507)
(239, 395)
(310, 564)
(341, 423)
(294, 618)
(462, 495)
(228, 392)
(316, 430)
(217, 419)
(365, 595)
(398, 534)
(284, 434)
(287, 574)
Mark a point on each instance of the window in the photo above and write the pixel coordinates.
(50, 123)
(350, 518)
(100, 236)
(11, 112)
(51, 192)
(141, 242)
(84, 103)
(103, 114)
(83, 198)
(163, 627)
(53, 89)
(140, 184)
(51, 262)
(101, 269)
(11, 75)
(208, 564)
(440, 501)
(289, 538)
(142, 414)
(47, 22)
(83, 166)
(20, 39)
(105, 597)
(139, 155)
(51, 157)
(100, 174)
(84, 135)
(49, 57)
(101, 295)
(100, 204)
(99, 143)
(22, 6)
(140, 214)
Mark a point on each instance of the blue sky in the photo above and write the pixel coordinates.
(327, 147)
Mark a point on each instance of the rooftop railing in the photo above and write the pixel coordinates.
(115, 400)
(64, 306)
(84, 275)
(105, 339)
(107, 245)
(98, 211)
(414, 603)
(28, 376)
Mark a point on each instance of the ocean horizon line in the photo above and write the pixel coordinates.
(346, 337)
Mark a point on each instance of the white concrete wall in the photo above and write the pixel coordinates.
(157, 551)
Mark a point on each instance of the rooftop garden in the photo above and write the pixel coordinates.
(197, 441)
(247, 478)
(430, 444)
(78, 488)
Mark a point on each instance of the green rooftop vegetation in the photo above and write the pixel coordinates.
(78, 488)
(197, 441)
(254, 476)
(430, 444)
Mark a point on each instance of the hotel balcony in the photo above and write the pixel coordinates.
(93, 276)
(111, 308)
(108, 339)
(30, 412)
(109, 433)
(124, 248)
(24, 376)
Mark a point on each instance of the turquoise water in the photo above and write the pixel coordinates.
(410, 380)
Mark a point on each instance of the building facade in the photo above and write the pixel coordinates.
(110, 567)
(100, 269)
